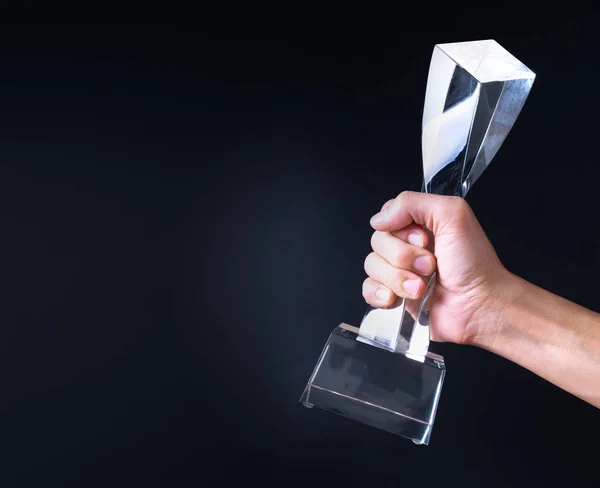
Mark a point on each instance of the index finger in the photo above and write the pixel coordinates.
(410, 207)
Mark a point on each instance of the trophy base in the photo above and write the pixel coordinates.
(387, 390)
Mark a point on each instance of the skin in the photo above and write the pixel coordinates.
(477, 301)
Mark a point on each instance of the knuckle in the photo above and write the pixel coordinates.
(394, 281)
(367, 292)
(398, 259)
(405, 195)
(461, 210)
(369, 261)
(375, 239)
(460, 205)
(400, 254)
(366, 288)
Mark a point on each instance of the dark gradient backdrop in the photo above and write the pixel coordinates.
(184, 220)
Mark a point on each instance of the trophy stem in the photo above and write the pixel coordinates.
(394, 329)
(475, 91)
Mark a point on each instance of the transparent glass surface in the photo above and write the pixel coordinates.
(475, 92)
(382, 373)
(377, 387)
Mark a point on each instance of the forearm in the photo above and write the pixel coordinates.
(552, 337)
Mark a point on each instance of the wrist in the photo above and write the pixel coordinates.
(490, 321)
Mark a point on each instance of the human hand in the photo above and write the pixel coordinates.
(469, 276)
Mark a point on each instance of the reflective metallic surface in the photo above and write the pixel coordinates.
(475, 92)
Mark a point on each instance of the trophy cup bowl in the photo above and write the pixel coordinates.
(382, 373)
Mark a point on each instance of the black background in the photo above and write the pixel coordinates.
(185, 218)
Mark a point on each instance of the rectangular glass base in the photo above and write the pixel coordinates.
(383, 389)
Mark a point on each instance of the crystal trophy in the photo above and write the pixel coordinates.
(382, 373)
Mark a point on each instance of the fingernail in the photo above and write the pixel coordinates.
(423, 265)
(383, 294)
(378, 218)
(411, 287)
(415, 239)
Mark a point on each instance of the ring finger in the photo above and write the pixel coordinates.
(402, 282)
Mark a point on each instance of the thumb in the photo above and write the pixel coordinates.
(431, 211)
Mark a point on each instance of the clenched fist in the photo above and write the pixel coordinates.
(469, 271)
